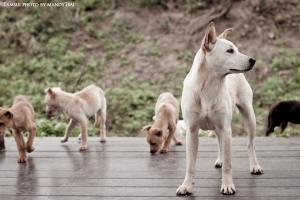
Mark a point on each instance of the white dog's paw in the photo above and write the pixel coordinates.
(184, 189)
(63, 140)
(178, 143)
(218, 163)
(83, 148)
(228, 188)
(256, 169)
(102, 140)
(79, 137)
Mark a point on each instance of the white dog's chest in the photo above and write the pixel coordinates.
(209, 118)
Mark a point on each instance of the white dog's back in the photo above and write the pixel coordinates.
(92, 98)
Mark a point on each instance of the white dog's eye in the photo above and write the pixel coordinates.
(230, 51)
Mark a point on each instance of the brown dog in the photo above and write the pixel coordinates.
(166, 117)
(20, 117)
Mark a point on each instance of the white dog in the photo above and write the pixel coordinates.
(79, 107)
(213, 89)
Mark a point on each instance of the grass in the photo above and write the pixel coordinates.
(47, 47)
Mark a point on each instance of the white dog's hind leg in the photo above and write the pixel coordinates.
(69, 129)
(227, 186)
(97, 119)
(102, 114)
(192, 142)
(219, 160)
(84, 134)
(250, 126)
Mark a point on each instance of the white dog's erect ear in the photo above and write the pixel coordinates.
(210, 38)
(224, 34)
(48, 90)
(146, 128)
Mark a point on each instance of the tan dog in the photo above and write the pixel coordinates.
(20, 117)
(79, 107)
(166, 117)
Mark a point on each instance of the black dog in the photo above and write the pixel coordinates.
(281, 113)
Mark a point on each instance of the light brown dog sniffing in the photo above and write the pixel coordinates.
(166, 117)
(18, 118)
(79, 107)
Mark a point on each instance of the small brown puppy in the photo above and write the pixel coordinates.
(166, 117)
(20, 117)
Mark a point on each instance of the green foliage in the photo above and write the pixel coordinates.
(187, 5)
(130, 108)
(187, 57)
(291, 130)
(275, 87)
(280, 42)
(271, 89)
(278, 88)
(164, 23)
(277, 64)
(87, 4)
(54, 128)
(133, 38)
(124, 60)
(153, 50)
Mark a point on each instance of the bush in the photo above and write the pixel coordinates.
(129, 108)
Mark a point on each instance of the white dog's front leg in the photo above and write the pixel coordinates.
(192, 142)
(250, 126)
(227, 186)
(69, 129)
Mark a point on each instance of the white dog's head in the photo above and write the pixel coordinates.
(222, 55)
(51, 104)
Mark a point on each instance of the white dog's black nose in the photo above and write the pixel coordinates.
(252, 61)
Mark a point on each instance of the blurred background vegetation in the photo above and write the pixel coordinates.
(135, 50)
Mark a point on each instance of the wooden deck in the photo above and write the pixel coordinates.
(123, 168)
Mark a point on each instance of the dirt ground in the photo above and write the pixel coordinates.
(262, 30)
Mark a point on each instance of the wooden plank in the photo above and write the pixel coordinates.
(148, 163)
(146, 191)
(72, 146)
(137, 154)
(141, 182)
(269, 174)
(18, 197)
(137, 198)
(169, 198)
(141, 141)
